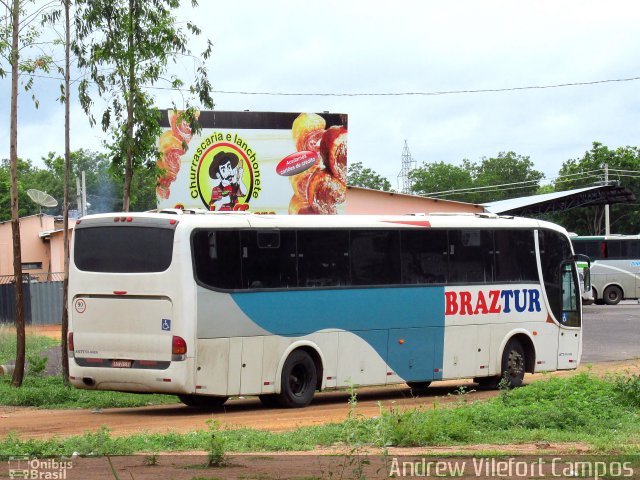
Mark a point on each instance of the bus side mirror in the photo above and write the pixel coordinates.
(583, 263)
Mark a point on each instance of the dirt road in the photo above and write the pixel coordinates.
(327, 408)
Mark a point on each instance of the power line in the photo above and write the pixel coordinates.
(386, 94)
(522, 184)
(511, 186)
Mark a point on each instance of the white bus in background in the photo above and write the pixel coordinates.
(213, 305)
(615, 267)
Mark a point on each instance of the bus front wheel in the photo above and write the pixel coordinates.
(612, 295)
(202, 401)
(298, 380)
(513, 364)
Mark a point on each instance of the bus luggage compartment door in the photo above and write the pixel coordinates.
(412, 353)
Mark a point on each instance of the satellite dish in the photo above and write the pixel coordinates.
(43, 199)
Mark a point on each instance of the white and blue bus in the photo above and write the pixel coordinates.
(615, 268)
(213, 305)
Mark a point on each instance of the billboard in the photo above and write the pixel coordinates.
(263, 162)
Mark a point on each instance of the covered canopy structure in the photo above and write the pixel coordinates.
(561, 201)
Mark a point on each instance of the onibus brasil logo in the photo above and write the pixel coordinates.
(224, 173)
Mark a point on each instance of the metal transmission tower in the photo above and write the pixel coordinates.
(408, 164)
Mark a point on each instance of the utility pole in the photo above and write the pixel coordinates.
(81, 195)
(607, 229)
(84, 195)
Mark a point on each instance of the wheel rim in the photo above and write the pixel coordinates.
(515, 364)
(298, 380)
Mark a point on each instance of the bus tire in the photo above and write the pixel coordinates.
(202, 401)
(298, 380)
(418, 387)
(612, 295)
(513, 364)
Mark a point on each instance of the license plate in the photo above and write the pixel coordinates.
(121, 363)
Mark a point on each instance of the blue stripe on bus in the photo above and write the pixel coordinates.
(380, 316)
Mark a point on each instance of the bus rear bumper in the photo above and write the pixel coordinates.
(173, 380)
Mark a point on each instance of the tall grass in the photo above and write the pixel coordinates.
(35, 344)
(49, 391)
(601, 413)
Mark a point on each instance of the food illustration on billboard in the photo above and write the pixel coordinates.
(263, 162)
(173, 143)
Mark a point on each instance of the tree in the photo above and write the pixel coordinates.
(358, 176)
(439, 177)
(23, 35)
(126, 46)
(27, 177)
(587, 171)
(508, 175)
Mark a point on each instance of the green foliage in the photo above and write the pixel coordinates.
(104, 184)
(506, 168)
(440, 177)
(359, 176)
(37, 365)
(628, 389)
(126, 48)
(215, 452)
(25, 180)
(588, 171)
(50, 392)
(603, 413)
(35, 345)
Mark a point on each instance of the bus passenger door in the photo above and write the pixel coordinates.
(570, 335)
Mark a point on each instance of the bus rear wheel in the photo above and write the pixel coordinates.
(202, 401)
(612, 295)
(298, 380)
(513, 364)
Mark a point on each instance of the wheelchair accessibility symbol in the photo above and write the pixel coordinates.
(166, 325)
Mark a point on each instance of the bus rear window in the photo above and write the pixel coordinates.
(123, 249)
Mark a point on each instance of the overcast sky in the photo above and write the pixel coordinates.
(364, 47)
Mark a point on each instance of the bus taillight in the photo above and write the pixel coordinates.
(70, 346)
(178, 348)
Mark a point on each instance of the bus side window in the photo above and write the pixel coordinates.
(424, 256)
(515, 256)
(268, 259)
(216, 257)
(323, 258)
(374, 257)
(471, 256)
